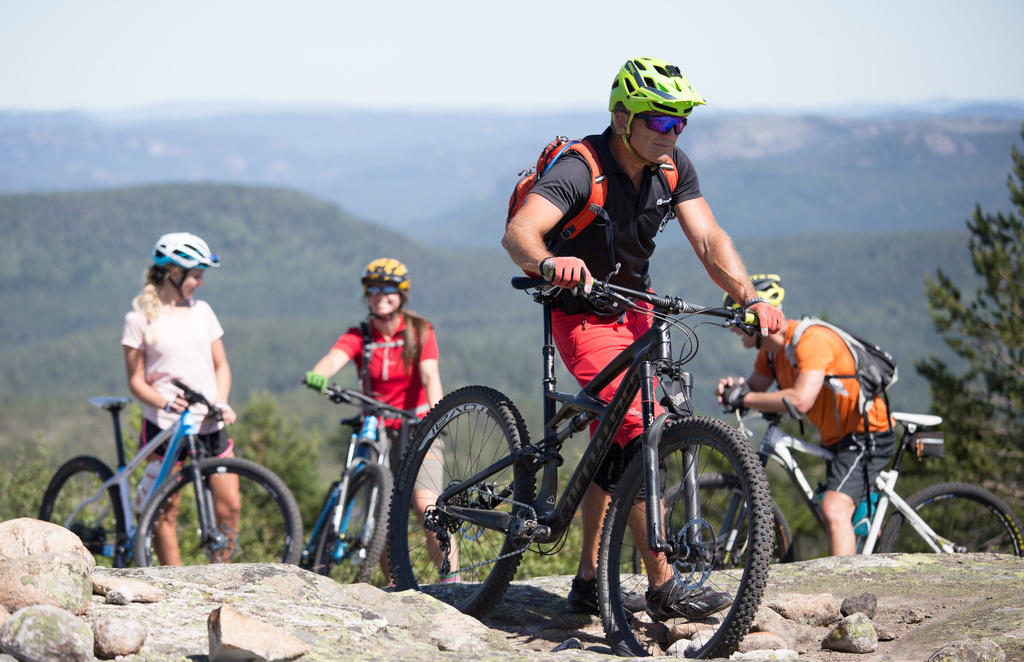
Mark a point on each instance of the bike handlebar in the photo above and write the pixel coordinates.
(350, 397)
(194, 397)
(604, 292)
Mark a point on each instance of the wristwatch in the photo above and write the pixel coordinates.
(751, 302)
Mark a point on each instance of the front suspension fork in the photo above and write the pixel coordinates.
(654, 428)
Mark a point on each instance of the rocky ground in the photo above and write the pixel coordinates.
(924, 602)
(53, 603)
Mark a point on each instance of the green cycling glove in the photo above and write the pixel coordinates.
(316, 381)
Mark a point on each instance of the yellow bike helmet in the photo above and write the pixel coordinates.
(645, 84)
(766, 286)
(386, 270)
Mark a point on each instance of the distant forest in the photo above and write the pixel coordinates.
(70, 264)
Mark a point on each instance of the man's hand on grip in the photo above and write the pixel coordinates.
(769, 317)
(567, 272)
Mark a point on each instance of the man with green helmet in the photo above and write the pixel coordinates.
(649, 182)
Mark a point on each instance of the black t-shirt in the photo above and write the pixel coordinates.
(635, 216)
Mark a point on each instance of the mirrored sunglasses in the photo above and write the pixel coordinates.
(663, 123)
(373, 290)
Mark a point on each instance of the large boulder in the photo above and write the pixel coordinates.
(44, 633)
(61, 579)
(26, 537)
(118, 636)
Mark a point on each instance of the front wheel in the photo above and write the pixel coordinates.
(431, 549)
(349, 553)
(693, 448)
(100, 524)
(254, 513)
(973, 518)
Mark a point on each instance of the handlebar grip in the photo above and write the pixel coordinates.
(751, 318)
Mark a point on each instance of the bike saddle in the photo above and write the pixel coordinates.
(110, 404)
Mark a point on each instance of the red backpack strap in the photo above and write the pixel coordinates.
(671, 174)
(598, 193)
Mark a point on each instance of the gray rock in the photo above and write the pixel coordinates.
(235, 636)
(761, 641)
(117, 636)
(865, 603)
(885, 634)
(122, 595)
(568, 645)
(969, 651)
(767, 655)
(61, 579)
(914, 616)
(27, 537)
(853, 634)
(141, 591)
(816, 609)
(44, 633)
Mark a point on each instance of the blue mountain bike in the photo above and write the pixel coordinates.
(99, 505)
(350, 533)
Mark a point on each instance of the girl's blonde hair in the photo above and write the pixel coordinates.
(148, 302)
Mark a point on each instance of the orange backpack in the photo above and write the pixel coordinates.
(598, 190)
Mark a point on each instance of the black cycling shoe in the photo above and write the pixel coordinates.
(633, 603)
(583, 596)
(671, 600)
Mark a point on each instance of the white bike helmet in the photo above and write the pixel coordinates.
(185, 250)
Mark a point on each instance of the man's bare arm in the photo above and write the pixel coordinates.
(716, 252)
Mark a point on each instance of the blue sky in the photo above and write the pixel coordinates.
(533, 56)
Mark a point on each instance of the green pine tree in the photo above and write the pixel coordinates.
(983, 406)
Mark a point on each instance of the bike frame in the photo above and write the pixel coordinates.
(353, 462)
(776, 445)
(182, 432)
(646, 357)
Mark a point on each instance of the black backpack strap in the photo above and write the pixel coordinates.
(364, 370)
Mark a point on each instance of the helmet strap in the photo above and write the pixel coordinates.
(177, 286)
(625, 140)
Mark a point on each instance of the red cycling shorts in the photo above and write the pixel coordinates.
(587, 344)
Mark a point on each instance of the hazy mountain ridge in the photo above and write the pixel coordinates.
(445, 178)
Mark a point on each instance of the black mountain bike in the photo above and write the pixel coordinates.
(486, 512)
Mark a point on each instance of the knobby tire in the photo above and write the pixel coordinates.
(363, 549)
(720, 449)
(101, 524)
(478, 427)
(269, 528)
(971, 517)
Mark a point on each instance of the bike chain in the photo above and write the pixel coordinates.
(446, 545)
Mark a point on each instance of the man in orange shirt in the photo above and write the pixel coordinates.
(820, 353)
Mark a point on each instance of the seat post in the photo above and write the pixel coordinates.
(115, 413)
(549, 369)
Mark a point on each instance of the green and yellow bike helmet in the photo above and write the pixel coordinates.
(649, 85)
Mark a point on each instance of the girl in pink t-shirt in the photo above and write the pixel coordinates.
(169, 335)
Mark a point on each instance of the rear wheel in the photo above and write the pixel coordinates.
(100, 524)
(973, 518)
(266, 529)
(693, 447)
(350, 553)
(472, 429)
